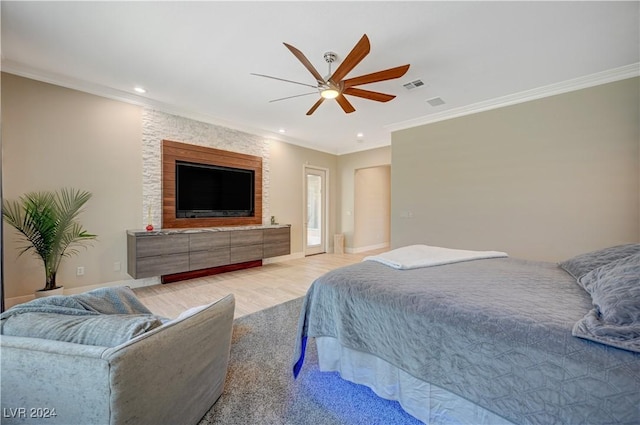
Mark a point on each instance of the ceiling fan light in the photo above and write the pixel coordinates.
(329, 93)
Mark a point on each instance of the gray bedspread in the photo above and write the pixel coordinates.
(496, 332)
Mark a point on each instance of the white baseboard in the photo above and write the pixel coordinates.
(366, 248)
(10, 302)
(132, 283)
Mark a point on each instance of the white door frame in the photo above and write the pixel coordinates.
(323, 247)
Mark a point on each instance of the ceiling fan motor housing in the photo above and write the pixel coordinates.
(330, 57)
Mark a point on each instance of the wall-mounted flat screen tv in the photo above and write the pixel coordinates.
(204, 190)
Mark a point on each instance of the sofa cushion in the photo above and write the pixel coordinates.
(107, 330)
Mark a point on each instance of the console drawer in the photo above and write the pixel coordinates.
(206, 259)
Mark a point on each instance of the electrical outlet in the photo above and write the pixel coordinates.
(80, 271)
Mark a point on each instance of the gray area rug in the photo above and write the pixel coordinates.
(260, 388)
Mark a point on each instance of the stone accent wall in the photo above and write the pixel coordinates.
(158, 126)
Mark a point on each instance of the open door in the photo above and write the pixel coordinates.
(315, 219)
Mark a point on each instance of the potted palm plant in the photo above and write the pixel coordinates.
(46, 221)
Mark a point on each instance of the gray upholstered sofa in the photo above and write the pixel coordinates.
(172, 374)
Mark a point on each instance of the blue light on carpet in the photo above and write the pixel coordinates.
(352, 404)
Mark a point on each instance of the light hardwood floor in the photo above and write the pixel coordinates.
(254, 289)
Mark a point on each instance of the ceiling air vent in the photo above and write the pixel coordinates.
(435, 101)
(412, 85)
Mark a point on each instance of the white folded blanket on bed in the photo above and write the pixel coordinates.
(415, 256)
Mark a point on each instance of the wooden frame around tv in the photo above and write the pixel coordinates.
(175, 151)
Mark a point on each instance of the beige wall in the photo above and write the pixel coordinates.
(286, 171)
(55, 137)
(347, 166)
(542, 180)
(372, 212)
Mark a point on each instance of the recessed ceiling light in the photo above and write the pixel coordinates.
(360, 135)
(282, 130)
(139, 90)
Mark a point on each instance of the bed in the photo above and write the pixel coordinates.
(485, 341)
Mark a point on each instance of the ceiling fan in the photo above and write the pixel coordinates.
(333, 86)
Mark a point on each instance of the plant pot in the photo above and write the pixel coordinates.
(47, 293)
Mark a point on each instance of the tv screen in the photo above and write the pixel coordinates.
(204, 190)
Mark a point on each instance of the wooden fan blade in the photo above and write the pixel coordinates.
(344, 104)
(315, 106)
(366, 94)
(302, 58)
(359, 51)
(282, 79)
(387, 74)
(291, 97)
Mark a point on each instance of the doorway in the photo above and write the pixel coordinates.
(372, 208)
(315, 211)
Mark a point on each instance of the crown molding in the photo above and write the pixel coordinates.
(26, 71)
(615, 74)
(609, 76)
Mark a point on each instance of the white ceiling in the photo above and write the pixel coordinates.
(195, 58)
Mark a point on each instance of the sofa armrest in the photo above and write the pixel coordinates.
(43, 378)
(175, 373)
